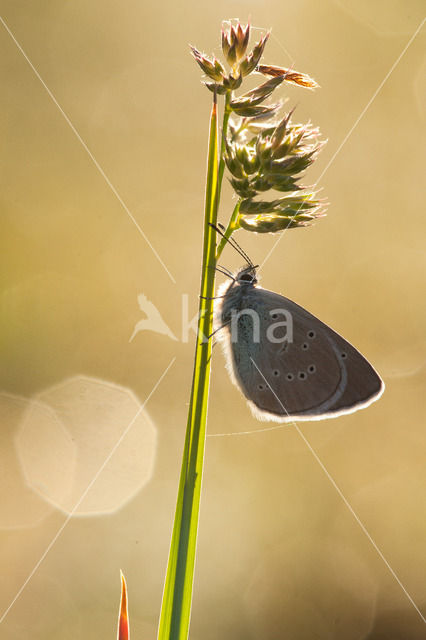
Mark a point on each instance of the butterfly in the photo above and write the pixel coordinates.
(288, 364)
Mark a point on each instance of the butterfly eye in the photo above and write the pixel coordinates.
(247, 277)
(305, 346)
(312, 368)
(290, 376)
(311, 334)
(302, 375)
(276, 372)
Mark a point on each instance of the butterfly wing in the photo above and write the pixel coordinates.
(296, 367)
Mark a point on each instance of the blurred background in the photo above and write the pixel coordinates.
(280, 555)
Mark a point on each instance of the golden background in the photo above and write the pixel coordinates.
(280, 555)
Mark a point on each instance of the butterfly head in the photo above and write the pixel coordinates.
(247, 276)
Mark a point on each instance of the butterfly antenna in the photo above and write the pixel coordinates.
(232, 242)
(238, 248)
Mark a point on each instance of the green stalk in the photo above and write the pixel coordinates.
(178, 586)
(232, 226)
(226, 114)
(177, 596)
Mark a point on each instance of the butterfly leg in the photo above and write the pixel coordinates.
(224, 272)
(215, 331)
